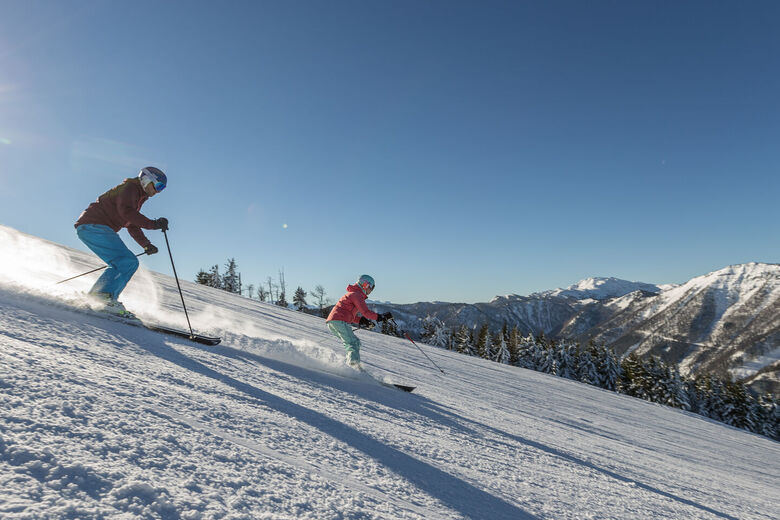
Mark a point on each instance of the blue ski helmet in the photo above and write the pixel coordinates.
(150, 174)
(366, 284)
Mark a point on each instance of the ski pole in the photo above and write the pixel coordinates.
(165, 234)
(89, 272)
(406, 335)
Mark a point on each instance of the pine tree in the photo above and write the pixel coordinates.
(442, 336)
(720, 406)
(462, 340)
(483, 342)
(202, 277)
(435, 332)
(503, 355)
(299, 299)
(768, 417)
(588, 371)
(676, 391)
(609, 369)
(656, 372)
(527, 354)
(212, 278)
(230, 281)
(567, 360)
(429, 329)
(634, 376)
(717, 406)
(738, 411)
(514, 346)
(548, 360)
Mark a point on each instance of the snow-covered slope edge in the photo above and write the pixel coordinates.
(103, 420)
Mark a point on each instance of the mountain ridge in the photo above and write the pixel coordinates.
(725, 322)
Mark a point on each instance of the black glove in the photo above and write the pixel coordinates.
(364, 322)
(384, 316)
(151, 249)
(161, 223)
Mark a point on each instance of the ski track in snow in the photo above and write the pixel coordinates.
(100, 419)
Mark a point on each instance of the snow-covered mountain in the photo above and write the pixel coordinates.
(100, 419)
(724, 322)
(544, 312)
(601, 289)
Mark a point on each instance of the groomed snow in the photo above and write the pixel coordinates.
(99, 419)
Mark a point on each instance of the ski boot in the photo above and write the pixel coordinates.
(111, 306)
(354, 363)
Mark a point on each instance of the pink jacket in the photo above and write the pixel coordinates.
(349, 305)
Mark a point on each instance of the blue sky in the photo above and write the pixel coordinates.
(453, 150)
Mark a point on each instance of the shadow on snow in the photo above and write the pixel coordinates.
(453, 492)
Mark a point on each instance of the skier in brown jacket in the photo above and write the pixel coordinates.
(99, 224)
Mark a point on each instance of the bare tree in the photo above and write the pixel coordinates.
(282, 284)
(273, 290)
(282, 301)
(319, 297)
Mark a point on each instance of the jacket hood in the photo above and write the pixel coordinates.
(355, 288)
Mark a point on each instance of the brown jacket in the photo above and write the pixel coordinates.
(120, 207)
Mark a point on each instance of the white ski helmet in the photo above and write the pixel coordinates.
(366, 284)
(150, 174)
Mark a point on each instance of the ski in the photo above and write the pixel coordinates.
(134, 321)
(197, 338)
(372, 377)
(405, 388)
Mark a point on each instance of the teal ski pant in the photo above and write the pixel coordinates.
(122, 263)
(343, 331)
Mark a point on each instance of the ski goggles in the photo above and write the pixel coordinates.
(367, 287)
(159, 186)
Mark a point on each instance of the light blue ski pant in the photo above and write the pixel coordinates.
(122, 263)
(343, 331)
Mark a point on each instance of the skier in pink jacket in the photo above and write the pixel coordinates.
(344, 315)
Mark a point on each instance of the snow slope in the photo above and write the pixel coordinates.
(99, 419)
